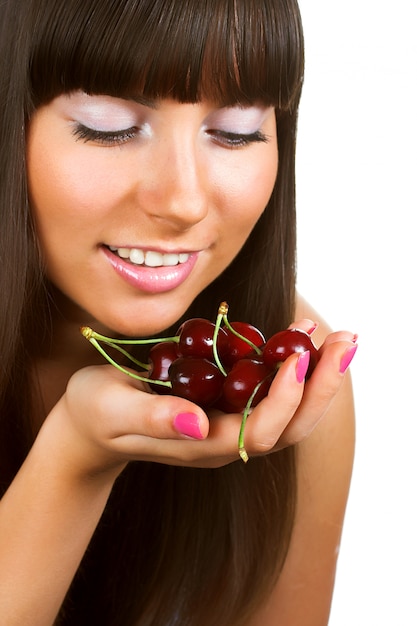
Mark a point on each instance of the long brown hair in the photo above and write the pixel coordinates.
(175, 545)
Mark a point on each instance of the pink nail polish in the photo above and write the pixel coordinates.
(188, 424)
(347, 358)
(301, 368)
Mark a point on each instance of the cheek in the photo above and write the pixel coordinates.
(261, 184)
(250, 186)
(65, 188)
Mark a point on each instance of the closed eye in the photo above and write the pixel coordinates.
(237, 140)
(104, 137)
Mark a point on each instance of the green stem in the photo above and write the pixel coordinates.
(242, 337)
(90, 333)
(222, 308)
(127, 354)
(241, 442)
(143, 379)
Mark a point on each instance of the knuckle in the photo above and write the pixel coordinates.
(296, 434)
(262, 447)
(327, 392)
(259, 441)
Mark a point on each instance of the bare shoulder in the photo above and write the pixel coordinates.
(304, 590)
(305, 310)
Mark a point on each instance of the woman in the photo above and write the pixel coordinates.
(147, 164)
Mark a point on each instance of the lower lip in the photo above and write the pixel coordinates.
(151, 279)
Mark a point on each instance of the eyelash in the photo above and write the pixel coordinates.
(237, 140)
(105, 137)
(114, 138)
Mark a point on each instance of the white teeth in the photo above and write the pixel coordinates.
(154, 259)
(123, 252)
(151, 258)
(137, 256)
(170, 259)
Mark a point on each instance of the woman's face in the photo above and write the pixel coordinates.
(140, 205)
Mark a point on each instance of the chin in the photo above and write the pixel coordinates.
(137, 325)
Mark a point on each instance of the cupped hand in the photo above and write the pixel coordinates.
(109, 419)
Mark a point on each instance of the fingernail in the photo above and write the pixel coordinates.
(302, 366)
(346, 359)
(188, 424)
(313, 328)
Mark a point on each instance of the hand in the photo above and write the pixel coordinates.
(109, 419)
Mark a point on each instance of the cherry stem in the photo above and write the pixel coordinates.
(89, 332)
(241, 442)
(223, 308)
(242, 337)
(127, 355)
(143, 379)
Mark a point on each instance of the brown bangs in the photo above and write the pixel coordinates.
(227, 51)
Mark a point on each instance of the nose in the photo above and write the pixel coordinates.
(178, 191)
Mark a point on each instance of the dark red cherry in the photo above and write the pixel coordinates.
(242, 379)
(160, 358)
(224, 406)
(196, 339)
(238, 348)
(196, 379)
(284, 343)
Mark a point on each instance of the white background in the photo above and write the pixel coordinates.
(357, 202)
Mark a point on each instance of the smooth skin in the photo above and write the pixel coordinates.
(182, 182)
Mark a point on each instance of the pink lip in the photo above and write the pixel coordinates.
(151, 279)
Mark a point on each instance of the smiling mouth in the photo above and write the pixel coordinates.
(150, 258)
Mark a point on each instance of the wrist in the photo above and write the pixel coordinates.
(75, 455)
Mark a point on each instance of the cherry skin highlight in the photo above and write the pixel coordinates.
(196, 339)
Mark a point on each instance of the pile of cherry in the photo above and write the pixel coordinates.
(225, 365)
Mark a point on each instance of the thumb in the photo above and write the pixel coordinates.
(157, 416)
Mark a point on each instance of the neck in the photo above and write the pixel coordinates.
(64, 352)
(65, 342)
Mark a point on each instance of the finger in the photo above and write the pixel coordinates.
(309, 326)
(270, 418)
(122, 407)
(341, 335)
(319, 391)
